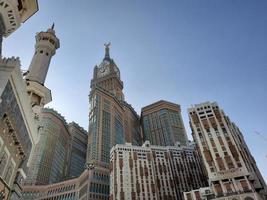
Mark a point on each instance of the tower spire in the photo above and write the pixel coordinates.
(107, 45)
(53, 26)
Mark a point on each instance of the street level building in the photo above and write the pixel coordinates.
(89, 185)
(154, 172)
(162, 124)
(232, 171)
(79, 139)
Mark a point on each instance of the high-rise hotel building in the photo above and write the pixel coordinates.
(109, 114)
(162, 124)
(151, 172)
(231, 169)
(111, 121)
(78, 150)
(51, 155)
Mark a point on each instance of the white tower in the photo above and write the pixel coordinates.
(45, 48)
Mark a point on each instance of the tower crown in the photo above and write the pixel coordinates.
(46, 45)
(107, 67)
(107, 75)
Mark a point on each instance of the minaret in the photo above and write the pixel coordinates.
(45, 48)
(46, 45)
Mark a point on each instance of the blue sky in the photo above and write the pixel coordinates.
(184, 51)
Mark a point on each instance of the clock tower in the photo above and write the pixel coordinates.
(111, 121)
(107, 76)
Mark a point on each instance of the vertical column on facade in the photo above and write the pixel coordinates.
(1, 41)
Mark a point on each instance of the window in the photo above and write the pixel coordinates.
(3, 162)
(218, 188)
(244, 185)
(239, 164)
(9, 172)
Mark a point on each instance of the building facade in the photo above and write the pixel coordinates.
(162, 124)
(79, 139)
(91, 184)
(71, 189)
(18, 132)
(231, 169)
(154, 172)
(109, 114)
(132, 127)
(111, 119)
(51, 155)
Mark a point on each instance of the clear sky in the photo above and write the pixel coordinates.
(184, 51)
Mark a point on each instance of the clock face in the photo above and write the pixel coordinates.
(104, 70)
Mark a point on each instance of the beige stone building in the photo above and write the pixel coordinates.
(71, 189)
(232, 171)
(154, 172)
(89, 185)
(162, 124)
(18, 132)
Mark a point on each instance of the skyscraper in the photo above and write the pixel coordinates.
(110, 118)
(79, 139)
(107, 113)
(231, 169)
(51, 155)
(162, 124)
